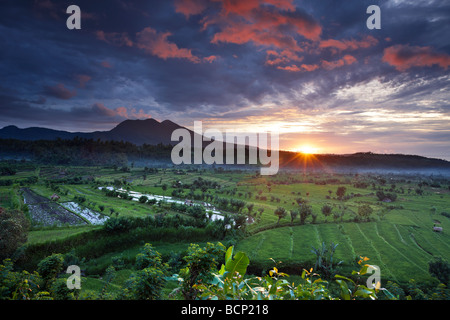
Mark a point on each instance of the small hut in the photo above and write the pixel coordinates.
(54, 197)
(437, 229)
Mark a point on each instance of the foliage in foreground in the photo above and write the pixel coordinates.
(199, 279)
(230, 283)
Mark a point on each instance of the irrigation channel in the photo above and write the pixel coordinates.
(216, 214)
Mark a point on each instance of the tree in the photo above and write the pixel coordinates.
(117, 225)
(149, 257)
(365, 211)
(340, 192)
(325, 262)
(143, 199)
(305, 212)
(294, 214)
(164, 187)
(146, 284)
(440, 269)
(200, 262)
(240, 221)
(49, 268)
(326, 210)
(13, 231)
(281, 213)
(250, 208)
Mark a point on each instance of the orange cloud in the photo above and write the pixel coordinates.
(285, 56)
(190, 7)
(403, 57)
(251, 21)
(210, 59)
(101, 109)
(122, 112)
(239, 7)
(115, 38)
(292, 68)
(367, 42)
(346, 60)
(310, 67)
(149, 40)
(158, 45)
(303, 67)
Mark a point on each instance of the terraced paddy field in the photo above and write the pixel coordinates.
(398, 236)
(402, 248)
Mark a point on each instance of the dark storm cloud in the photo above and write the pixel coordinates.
(171, 45)
(189, 60)
(59, 91)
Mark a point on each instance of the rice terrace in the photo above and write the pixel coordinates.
(221, 157)
(101, 217)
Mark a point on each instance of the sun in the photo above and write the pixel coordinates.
(306, 149)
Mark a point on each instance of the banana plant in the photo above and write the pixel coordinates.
(325, 260)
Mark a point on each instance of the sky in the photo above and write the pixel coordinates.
(311, 69)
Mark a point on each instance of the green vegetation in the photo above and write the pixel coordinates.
(293, 221)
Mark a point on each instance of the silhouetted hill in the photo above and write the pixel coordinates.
(360, 160)
(40, 143)
(138, 132)
(33, 133)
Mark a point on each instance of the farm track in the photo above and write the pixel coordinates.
(318, 238)
(399, 235)
(258, 246)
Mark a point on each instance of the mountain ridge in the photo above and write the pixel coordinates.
(152, 132)
(139, 132)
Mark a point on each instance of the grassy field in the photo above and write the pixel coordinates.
(398, 238)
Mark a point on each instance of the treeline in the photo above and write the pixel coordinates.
(124, 232)
(362, 160)
(80, 151)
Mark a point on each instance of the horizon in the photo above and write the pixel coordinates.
(314, 71)
(280, 149)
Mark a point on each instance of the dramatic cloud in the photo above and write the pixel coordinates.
(342, 45)
(190, 7)
(158, 45)
(403, 57)
(346, 60)
(311, 68)
(151, 41)
(264, 26)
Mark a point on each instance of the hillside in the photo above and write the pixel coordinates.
(138, 132)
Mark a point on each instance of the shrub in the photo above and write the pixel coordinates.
(146, 284)
(49, 268)
(440, 269)
(117, 224)
(149, 257)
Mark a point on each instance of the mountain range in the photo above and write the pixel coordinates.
(153, 132)
(139, 132)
